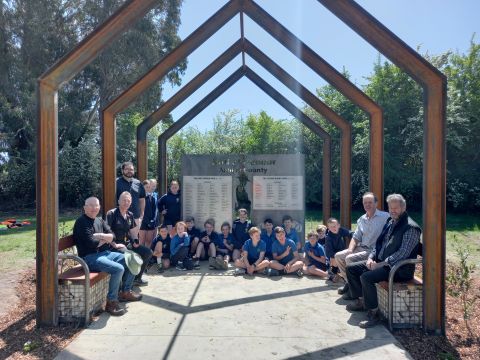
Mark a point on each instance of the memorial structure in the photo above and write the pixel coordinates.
(268, 186)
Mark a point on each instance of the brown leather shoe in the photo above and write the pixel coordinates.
(113, 308)
(124, 296)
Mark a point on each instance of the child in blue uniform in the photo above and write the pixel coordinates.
(224, 247)
(285, 254)
(334, 242)
(240, 229)
(315, 257)
(253, 254)
(268, 235)
(161, 249)
(179, 246)
(290, 231)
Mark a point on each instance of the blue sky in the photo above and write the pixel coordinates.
(435, 26)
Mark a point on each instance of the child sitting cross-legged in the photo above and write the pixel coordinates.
(161, 250)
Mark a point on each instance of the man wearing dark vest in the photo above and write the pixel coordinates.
(398, 241)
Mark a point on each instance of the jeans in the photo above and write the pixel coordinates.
(112, 263)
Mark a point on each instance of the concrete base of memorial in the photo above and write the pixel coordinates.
(209, 314)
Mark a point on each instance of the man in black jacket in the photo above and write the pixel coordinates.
(398, 241)
(94, 240)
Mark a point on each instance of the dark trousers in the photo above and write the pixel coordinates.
(362, 280)
(145, 253)
(180, 255)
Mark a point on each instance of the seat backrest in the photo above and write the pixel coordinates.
(65, 242)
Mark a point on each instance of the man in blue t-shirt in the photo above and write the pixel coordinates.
(315, 257)
(253, 253)
(268, 236)
(285, 254)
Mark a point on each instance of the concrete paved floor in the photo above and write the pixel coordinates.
(208, 314)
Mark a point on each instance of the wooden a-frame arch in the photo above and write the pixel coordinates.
(434, 173)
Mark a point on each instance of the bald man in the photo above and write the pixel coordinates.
(94, 240)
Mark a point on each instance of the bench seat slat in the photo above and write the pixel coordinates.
(76, 275)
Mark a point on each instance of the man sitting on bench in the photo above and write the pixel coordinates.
(93, 237)
(398, 241)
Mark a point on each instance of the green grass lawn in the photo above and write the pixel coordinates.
(17, 246)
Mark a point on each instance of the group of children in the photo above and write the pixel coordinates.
(272, 251)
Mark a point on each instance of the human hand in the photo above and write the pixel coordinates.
(369, 263)
(120, 247)
(311, 253)
(164, 211)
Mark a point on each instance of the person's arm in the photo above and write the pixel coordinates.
(410, 240)
(186, 239)
(260, 258)
(296, 257)
(141, 203)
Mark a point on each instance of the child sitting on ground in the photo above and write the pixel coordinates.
(224, 247)
(315, 257)
(161, 250)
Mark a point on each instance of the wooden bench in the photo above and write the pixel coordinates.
(401, 303)
(81, 293)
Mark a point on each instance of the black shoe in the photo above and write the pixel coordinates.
(347, 296)
(140, 282)
(356, 306)
(373, 318)
(343, 290)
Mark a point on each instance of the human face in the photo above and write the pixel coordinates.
(333, 226)
(369, 204)
(269, 227)
(124, 202)
(92, 208)
(174, 188)
(180, 229)
(287, 224)
(312, 240)
(395, 209)
(163, 233)
(148, 187)
(280, 237)
(255, 237)
(208, 228)
(153, 185)
(242, 215)
(128, 171)
(189, 224)
(321, 233)
(225, 230)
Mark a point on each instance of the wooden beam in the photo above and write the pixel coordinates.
(434, 152)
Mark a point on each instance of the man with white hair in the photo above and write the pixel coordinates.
(398, 241)
(369, 227)
(94, 239)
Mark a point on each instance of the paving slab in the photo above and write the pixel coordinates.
(208, 314)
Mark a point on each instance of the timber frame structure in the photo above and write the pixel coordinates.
(432, 81)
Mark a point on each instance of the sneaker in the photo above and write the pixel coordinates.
(221, 264)
(373, 318)
(114, 309)
(272, 272)
(160, 268)
(299, 273)
(356, 306)
(239, 271)
(196, 264)
(212, 263)
(140, 282)
(180, 266)
(148, 268)
(126, 296)
(343, 289)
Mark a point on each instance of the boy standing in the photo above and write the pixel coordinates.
(240, 229)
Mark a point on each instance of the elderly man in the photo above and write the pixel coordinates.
(127, 182)
(93, 239)
(398, 241)
(369, 227)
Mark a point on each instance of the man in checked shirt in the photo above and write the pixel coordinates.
(398, 241)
